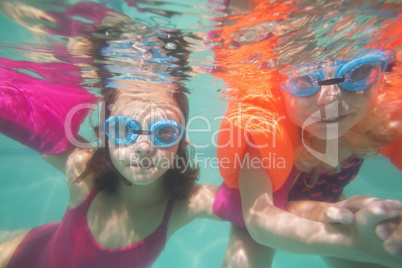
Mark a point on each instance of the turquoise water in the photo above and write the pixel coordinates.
(33, 193)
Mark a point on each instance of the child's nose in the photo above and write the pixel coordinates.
(143, 146)
(328, 94)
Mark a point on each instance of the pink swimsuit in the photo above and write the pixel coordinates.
(70, 244)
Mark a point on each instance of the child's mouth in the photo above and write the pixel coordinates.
(143, 164)
(333, 119)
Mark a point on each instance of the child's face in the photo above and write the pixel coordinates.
(141, 162)
(331, 111)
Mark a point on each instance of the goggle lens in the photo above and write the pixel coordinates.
(302, 83)
(362, 77)
(364, 73)
(167, 134)
(118, 130)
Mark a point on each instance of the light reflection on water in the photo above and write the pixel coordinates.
(137, 39)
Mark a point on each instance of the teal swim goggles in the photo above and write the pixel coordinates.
(354, 75)
(123, 130)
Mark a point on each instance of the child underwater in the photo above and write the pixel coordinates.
(314, 85)
(132, 192)
(145, 99)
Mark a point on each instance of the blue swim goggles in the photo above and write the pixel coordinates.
(355, 75)
(123, 130)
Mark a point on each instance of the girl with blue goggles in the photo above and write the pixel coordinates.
(355, 75)
(123, 130)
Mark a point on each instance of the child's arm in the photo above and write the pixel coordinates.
(197, 205)
(59, 161)
(75, 165)
(9, 242)
(201, 201)
(244, 251)
(282, 230)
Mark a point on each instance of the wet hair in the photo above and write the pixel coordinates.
(363, 27)
(304, 31)
(380, 127)
(181, 177)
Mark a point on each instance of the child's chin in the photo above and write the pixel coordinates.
(322, 135)
(144, 178)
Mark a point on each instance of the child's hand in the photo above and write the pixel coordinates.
(390, 231)
(384, 217)
(343, 211)
(377, 222)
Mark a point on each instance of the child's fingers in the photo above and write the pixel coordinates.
(393, 244)
(357, 202)
(338, 214)
(343, 211)
(385, 229)
(385, 209)
(378, 211)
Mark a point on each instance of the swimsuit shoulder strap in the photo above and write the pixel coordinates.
(88, 199)
(168, 210)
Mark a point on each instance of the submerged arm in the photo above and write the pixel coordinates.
(59, 161)
(201, 201)
(275, 227)
(197, 205)
(285, 231)
(244, 251)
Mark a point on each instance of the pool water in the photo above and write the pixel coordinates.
(32, 193)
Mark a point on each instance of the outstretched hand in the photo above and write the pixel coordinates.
(390, 231)
(380, 217)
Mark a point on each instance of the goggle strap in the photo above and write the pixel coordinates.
(332, 81)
